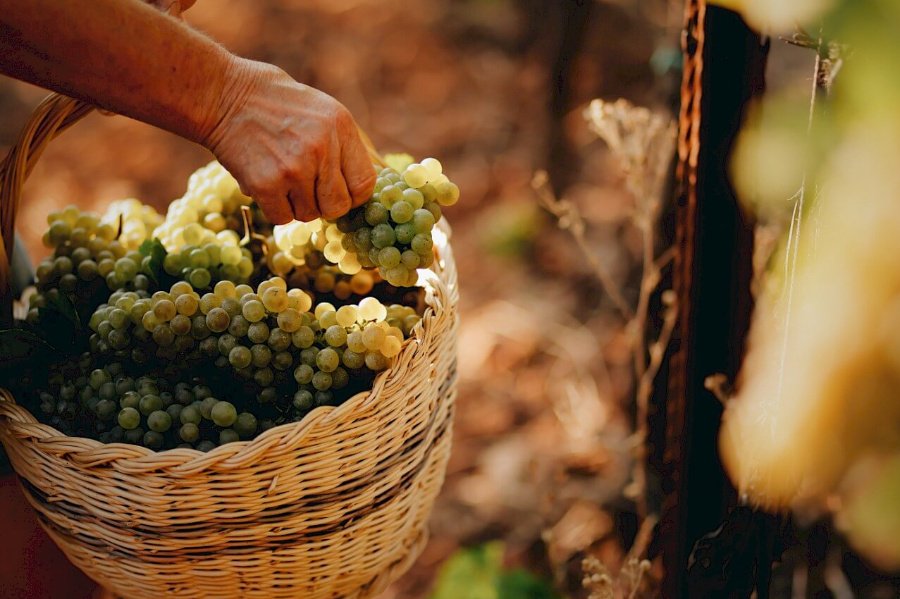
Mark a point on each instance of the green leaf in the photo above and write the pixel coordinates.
(477, 573)
(21, 349)
(60, 326)
(62, 305)
(471, 573)
(520, 584)
(20, 344)
(157, 253)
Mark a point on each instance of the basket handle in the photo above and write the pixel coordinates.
(54, 114)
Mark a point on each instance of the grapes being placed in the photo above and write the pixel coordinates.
(392, 231)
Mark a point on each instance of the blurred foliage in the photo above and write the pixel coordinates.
(815, 424)
(478, 573)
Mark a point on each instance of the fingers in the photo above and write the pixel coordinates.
(303, 197)
(357, 169)
(276, 208)
(331, 190)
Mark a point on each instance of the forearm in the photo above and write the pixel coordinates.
(123, 56)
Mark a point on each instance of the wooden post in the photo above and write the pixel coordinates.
(701, 527)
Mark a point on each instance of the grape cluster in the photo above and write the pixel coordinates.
(147, 410)
(269, 337)
(392, 231)
(200, 231)
(210, 359)
(203, 266)
(87, 262)
(137, 221)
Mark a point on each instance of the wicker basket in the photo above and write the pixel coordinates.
(333, 506)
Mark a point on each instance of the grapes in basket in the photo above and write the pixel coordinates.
(209, 325)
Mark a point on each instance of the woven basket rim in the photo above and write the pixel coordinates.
(151, 459)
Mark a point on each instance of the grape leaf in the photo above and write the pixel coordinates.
(157, 253)
(22, 344)
(62, 305)
(21, 348)
(60, 326)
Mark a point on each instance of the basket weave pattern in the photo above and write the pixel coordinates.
(333, 506)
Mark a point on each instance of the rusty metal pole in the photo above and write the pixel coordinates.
(701, 526)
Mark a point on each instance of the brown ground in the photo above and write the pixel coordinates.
(541, 433)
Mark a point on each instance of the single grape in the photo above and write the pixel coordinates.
(415, 175)
(321, 381)
(261, 355)
(383, 236)
(303, 374)
(303, 400)
(217, 320)
(199, 330)
(340, 378)
(129, 418)
(289, 320)
(389, 257)
(163, 335)
(189, 432)
(279, 340)
(447, 193)
(223, 413)
(423, 220)
(303, 337)
(375, 361)
(375, 214)
(240, 357)
(401, 212)
(355, 342)
(245, 425)
(353, 359)
(390, 347)
(239, 327)
(254, 311)
(422, 244)
(258, 332)
(159, 421)
(328, 359)
(187, 304)
(150, 403)
(199, 278)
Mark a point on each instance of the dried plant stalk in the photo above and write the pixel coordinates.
(644, 142)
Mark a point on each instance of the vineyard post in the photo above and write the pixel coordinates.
(729, 548)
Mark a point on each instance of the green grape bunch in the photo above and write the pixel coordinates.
(87, 263)
(197, 339)
(392, 231)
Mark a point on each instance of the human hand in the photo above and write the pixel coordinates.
(294, 149)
